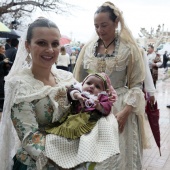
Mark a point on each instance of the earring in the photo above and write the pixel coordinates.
(28, 59)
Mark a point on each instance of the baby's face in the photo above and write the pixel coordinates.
(93, 85)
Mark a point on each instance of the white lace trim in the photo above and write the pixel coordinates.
(41, 161)
(133, 96)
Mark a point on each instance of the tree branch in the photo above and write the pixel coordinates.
(45, 5)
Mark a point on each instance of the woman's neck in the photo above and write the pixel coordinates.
(108, 46)
(108, 41)
(44, 75)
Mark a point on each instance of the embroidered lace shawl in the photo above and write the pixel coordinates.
(24, 87)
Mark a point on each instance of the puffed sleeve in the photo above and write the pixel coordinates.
(136, 76)
(32, 140)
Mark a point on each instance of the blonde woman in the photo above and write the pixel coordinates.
(114, 51)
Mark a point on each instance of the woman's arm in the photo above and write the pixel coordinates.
(32, 140)
(134, 95)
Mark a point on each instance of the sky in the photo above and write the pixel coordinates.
(137, 13)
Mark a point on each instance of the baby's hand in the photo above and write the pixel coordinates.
(79, 97)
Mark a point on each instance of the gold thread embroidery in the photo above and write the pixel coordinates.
(60, 97)
(101, 65)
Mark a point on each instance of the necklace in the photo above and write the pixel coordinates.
(106, 47)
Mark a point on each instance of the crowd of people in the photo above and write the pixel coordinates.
(91, 119)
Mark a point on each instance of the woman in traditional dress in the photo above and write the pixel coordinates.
(35, 97)
(114, 51)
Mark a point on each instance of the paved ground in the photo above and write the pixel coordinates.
(152, 160)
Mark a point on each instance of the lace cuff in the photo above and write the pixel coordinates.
(41, 161)
(135, 98)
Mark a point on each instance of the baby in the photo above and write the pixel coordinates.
(90, 100)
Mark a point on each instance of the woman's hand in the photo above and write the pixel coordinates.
(152, 100)
(122, 117)
(98, 106)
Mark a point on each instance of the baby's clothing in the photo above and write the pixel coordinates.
(78, 120)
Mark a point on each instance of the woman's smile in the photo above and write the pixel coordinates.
(47, 58)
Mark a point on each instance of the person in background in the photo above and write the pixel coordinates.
(165, 60)
(8, 44)
(154, 63)
(77, 51)
(63, 60)
(4, 69)
(113, 50)
(148, 87)
(73, 60)
(11, 52)
(151, 56)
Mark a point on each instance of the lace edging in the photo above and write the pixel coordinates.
(133, 97)
(41, 161)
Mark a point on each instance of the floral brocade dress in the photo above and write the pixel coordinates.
(125, 70)
(35, 107)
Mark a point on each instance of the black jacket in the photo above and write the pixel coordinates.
(3, 66)
(11, 53)
(165, 59)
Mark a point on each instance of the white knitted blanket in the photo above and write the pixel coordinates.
(98, 145)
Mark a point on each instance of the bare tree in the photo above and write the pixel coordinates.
(15, 9)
